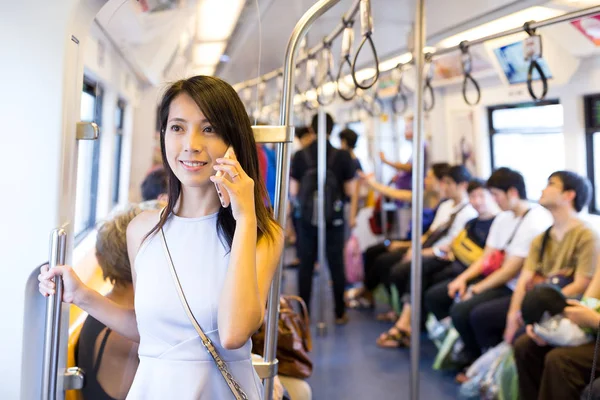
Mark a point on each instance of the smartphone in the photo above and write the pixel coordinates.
(223, 194)
(439, 253)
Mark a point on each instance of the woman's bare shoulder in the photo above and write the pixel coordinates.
(139, 227)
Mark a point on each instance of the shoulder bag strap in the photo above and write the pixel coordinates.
(231, 382)
(516, 229)
(543, 247)
(453, 216)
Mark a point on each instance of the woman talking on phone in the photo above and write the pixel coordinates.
(202, 267)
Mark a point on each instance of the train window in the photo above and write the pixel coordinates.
(516, 129)
(592, 129)
(119, 120)
(88, 163)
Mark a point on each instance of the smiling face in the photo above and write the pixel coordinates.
(192, 144)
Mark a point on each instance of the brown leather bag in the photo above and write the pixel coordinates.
(293, 339)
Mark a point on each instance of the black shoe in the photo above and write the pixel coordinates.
(343, 320)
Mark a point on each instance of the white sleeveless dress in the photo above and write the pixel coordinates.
(173, 362)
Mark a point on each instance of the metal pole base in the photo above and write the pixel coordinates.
(321, 329)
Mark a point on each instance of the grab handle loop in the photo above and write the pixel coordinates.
(428, 88)
(532, 48)
(311, 71)
(366, 23)
(400, 97)
(376, 106)
(304, 57)
(467, 65)
(327, 59)
(347, 42)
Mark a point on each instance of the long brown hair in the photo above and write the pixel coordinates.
(223, 108)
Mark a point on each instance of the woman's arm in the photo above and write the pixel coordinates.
(119, 318)
(398, 165)
(251, 264)
(116, 317)
(249, 276)
(396, 194)
(354, 203)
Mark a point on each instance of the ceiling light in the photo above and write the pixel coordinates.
(208, 53)
(502, 24)
(217, 18)
(203, 70)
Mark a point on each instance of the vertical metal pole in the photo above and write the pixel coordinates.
(58, 242)
(286, 115)
(384, 205)
(400, 210)
(417, 202)
(321, 167)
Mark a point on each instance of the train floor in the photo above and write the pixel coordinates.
(348, 364)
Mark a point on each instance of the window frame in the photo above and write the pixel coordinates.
(95, 89)
(118, 149)
(492, 131)
(590, 131)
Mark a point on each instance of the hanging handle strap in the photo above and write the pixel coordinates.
(347, 42)
(428, 88)
(326, 60)
(234, 386)
(400, 97)
(467, 66)
(533, 58)
(366, 25)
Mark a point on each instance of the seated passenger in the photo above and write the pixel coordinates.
(506, 248)
(570, 253)
(390, 252)
(452, 260)
(557, 373)
(109, 359)
(154, 188)
(450, 219)
(570, 249)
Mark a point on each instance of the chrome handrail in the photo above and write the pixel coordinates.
(58, 244)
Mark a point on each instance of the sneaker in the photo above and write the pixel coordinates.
(343, 320)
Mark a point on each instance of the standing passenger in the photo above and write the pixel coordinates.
(224, 257)
(341, 171)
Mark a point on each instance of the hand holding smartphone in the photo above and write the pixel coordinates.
(223, 194)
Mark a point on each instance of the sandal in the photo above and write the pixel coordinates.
(461, 378)
(394, 338)
(389, 316)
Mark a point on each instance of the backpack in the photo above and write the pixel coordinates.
(308, 196)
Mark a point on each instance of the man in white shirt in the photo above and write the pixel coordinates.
(480, 315)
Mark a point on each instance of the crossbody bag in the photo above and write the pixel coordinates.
(234, 386)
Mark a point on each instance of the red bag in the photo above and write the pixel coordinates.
(492, 262)
(495, 260)
(375, 220)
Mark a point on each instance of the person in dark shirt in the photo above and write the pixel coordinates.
(348, 139)
(344, 169)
